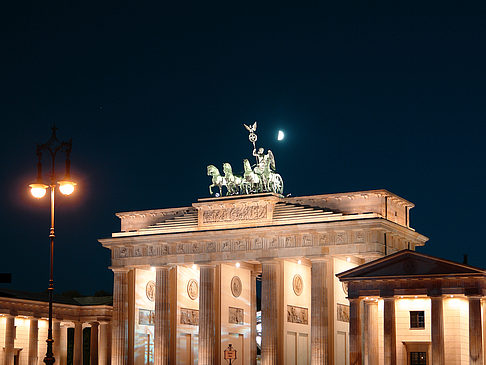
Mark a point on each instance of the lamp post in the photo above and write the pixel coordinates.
(38, 190)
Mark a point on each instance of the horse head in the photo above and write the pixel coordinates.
(213, 170)
(227, 169)
(246, 165)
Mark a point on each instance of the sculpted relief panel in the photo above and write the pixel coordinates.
(329, 238)
(189, 316)
(235, 214)
(297, 314)
(236, 315)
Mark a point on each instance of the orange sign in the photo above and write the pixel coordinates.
(230, 353)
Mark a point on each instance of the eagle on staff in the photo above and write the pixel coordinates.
(259, 178)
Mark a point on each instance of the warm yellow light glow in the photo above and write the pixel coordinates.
(66, 187)
(38, 190)
(152, 268)
(237, 264)
(348, 259)
(299, 262)
(194, 267)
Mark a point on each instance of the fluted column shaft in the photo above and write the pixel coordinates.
(253, 311)
(162, 316)
(33, 341)
(78, 343)
(207, 343)
(104, 351)
(119, 355)
(389, 331)
(56, 335)
(355, 340)
(475, 331)
(437, 332)
(63, 344)
(319, 313)
(93, 345)
(269, 313)
(9, 340)
(371, 333)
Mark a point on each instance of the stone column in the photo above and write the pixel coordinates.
(63, 354)
(355, 340)
(475, 331)
(319, 313)
(119, 355)
(437, 332)
(270, 311)
(253, 311)
(93, 344)
(389, 329)
(33, 342)
(162, 316)
(9, 340)
(484, 328)
(371, 351)
(78, 343)
(104, 350)
(207, 343)
(56, 336)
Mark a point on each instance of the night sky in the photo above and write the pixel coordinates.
(368, 97)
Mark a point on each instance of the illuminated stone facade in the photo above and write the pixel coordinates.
(206, 259)
(24, 324)
(410, 308)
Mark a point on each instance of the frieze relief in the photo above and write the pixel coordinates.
(189, 316)
(239, 245)
(257, 243)
(342, 312)
(290, 241)
(236, 315)
(254, 243)
(146, 317)
(137, 251)
(307, 240)
(235, 214)
(151, 251)
(211, 247)
(297, 314)
(341, 238)
(272, 242)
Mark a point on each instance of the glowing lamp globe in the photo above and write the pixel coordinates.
(38, 190)
(66, 187)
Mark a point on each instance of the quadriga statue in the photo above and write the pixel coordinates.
(260, 178)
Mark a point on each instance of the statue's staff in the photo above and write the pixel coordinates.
(252, 136)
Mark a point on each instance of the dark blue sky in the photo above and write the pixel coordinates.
(369, 97)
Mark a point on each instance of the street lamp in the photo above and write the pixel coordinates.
(38, 190)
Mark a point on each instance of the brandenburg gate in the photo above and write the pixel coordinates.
(185, 278)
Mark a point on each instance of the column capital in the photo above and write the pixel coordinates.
(436, 292)
(354, 299)
(313, 259)
(94, 323)
(119, 269)
(268, 261)
(208, 264)
(387, 293)
(162, 266)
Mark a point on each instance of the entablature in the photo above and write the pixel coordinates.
(366, 238)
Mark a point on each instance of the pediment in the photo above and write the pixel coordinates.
(409, 263)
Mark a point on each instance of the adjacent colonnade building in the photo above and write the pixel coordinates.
(24, 323)
(185, 278)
